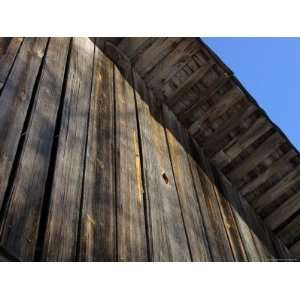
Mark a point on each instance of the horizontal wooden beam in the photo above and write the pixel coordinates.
(212, 143)
(188, 83)
(256, 157)
(277, 190)
(240, 142)
(226, 101)
(278, 166)
(284, 211)
(192, 111)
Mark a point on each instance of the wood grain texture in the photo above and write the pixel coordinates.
(131, 231)
(276, 190)
(225, 195)
(7, 58)
(14, 103)
(20, 229)
(62, 227)
(178, 147)
(168, 241)
(218, 239)
(262, 152)
(98, 220)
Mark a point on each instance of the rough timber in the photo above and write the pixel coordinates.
(138, 149)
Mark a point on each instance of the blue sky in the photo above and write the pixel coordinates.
(269, 68)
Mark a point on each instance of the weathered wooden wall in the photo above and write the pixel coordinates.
(93, 167)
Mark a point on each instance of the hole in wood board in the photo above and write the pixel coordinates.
(165, 177)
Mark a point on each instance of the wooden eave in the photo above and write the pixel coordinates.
(223, 118)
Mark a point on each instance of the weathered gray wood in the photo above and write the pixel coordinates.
(260, 234)
(283, 254)
(147, 60)
(225, 195)
(276, 190)
(193, 111)
(278, 166)
(168, 241)
(244, 226)
(290, 233)
(213, 143)
(177, 141)
(98, 220)
(229, 99)
(217, 236)
(178, 94)
(284, 211)
(172, 63)
(241, 142)
(20, 229)
(295, 251)
(131, 231)
(62, 227)
(14, 104)
(133, 47)
(257, 156)
(7, 58)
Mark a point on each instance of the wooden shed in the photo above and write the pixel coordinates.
(139, 149)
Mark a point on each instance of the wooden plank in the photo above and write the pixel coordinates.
(283, 254)
(278, 166)
(256, 157)
(7, 59)
(14, 104)
(167, 237)
(295, 251)
(61, 233)
(260, 234)
(224, 103)
(147, 60)
(173, 63)
(290, 233)
(216, 233)
(98, 220)
(276, 190)
(5, 256)
(188, 83)
(244, 227)
(120, 60)
(241, 142)
(213, 143)
(4, 42)
(225, 196)
(132, 47)
(193, 110)
(20, 228)
(284, 211)
(178, 147)
(131, 231)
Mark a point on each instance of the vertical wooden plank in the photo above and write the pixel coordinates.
(64, 211)
(131, 230)
(219, 242)
(98, 232)
(20, 228)
(176, 137)
(14, 104)
(168, 241)
(243, 226)
(260, 236)
(225, 196)
(7, 58)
